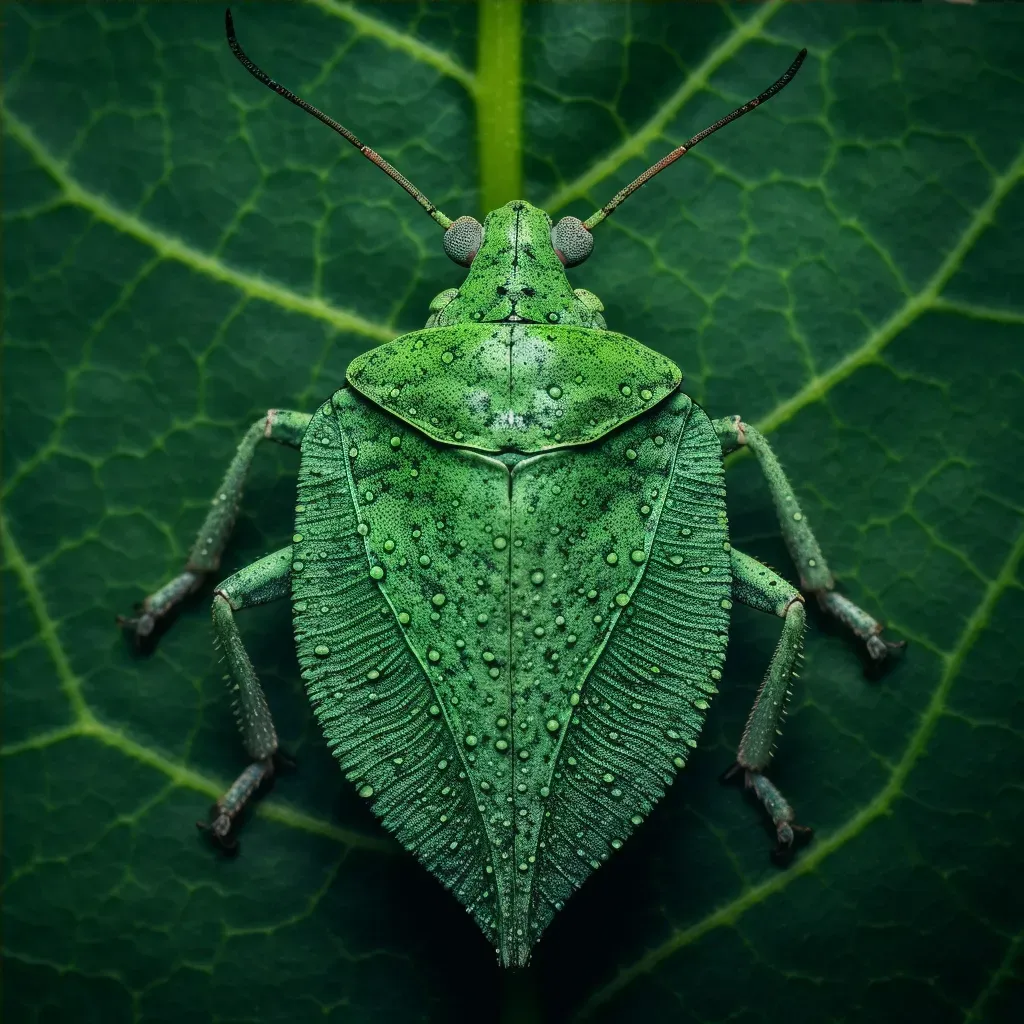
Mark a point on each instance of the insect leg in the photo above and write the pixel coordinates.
(756, 586)
(278, 425)
(263, 581)
(815, 576)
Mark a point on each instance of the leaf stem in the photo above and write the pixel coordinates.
(499, 102)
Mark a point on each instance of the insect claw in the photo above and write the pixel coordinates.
(730, 773)
(878, 648)
(219, 829)
(790, 838)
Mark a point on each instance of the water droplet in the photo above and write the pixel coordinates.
(701, 704)
(611, 558)
(424, 560)
(321, 650)
(501, 745)
(447, 357)
(672, 734)
(471, 740)
(362, 529)
(433, 655)
(676, 559)
(366, 792)
(622, 599)
(502, 722)
(389, 545)
(797, 516)
(552, 725)
(726, 603)
(377, 572)
(637, 556)
(645, 394)
(368, 496)
(537, 578)
(500, 543)
(553, 317)
(574, 699)
(482, 619)
(607, 777)
(298, 566)
(679, 762)
(438, 600)
(715, 673)
(488, 656)
(538, 631)
(630, 454)
(616, 844)
(403, 618)
(300, 606)
(555, 392)
(626, 390)
(297, 538)
(442, 765)
(395, 442)
(485, 786)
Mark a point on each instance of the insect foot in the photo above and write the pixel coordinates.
(860, 623)
(225, 814)
(155, 607)
(789, 835)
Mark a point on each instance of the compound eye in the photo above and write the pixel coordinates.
(463, 239)
(572, 241)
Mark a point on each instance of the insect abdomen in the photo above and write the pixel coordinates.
(505, 659)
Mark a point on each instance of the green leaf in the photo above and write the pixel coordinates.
(183, 249)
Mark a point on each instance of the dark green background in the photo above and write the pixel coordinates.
(843, 267)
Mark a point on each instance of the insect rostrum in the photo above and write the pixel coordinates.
(511, 574)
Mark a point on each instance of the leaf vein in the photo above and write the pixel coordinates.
(176, 250)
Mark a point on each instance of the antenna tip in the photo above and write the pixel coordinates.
(228, 23)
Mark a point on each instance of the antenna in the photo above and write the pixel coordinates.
(370, 155)
(682, 150)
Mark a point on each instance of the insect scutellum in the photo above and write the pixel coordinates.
(517, 237)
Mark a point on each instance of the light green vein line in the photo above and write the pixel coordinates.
(926, 299)
(637, 143)
(17, 563)
(391, 37)
(175, 249)
(186, 778)
(499, 102)
(999, 975)
(974, 312)
(880, 805)
(87, 725)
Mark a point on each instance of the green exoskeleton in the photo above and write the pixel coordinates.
(511, 574)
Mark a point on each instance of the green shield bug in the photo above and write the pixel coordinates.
(510, 574)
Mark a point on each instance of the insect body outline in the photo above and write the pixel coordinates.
(511, 574)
